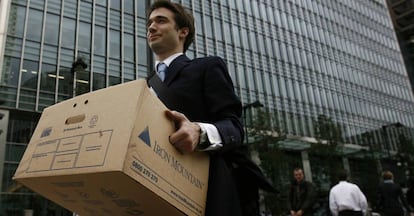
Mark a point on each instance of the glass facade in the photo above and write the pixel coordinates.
(44, 40)
(45, 37)
(301, 59)
(310, 58)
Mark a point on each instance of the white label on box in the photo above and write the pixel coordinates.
(85, 150)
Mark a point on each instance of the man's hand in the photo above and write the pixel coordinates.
(299, 213)
(187, 134)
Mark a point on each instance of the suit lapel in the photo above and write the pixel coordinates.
(175, 67)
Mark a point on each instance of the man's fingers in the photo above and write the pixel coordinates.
(175, 116)
(187, 133)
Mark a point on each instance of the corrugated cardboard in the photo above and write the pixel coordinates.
(107, 153)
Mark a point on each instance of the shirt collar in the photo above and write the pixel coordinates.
(168, 60)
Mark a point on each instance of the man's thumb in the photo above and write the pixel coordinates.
(175, 116)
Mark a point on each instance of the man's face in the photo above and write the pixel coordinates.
(298, 175)
(162, 35)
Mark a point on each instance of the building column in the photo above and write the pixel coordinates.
(345, 161)
(4, 20)
(4, 121)
(306, 166)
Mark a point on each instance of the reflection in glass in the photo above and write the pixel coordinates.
(129, 47)
(16, 21)
(48, 77)
(10, 71)
(68, 33)
(29, 74)
(129, 6)
(52, 29)
(84, 37)
(100, 41)
(115, 44)
(34, 25)
(142, 51)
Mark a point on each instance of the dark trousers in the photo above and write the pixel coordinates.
(350, 213)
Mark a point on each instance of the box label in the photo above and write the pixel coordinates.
(84, 150)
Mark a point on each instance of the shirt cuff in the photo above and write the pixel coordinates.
(213, 137)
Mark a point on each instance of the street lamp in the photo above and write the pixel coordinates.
(245, 107)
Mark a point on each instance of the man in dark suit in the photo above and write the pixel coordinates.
(206, 110)
(391, 200)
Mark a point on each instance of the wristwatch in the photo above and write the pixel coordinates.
(203, 142)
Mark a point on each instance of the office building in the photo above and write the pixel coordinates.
(402, 14)
(300, 59)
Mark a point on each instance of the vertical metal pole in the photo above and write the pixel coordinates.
(245, 125)
(74, 83)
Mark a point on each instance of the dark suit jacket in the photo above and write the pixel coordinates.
(206, 94)
(302, 196)
(391, 199)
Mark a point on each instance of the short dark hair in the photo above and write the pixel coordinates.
(182, 18)
(387, 175)
(342, 175)
(298, 169)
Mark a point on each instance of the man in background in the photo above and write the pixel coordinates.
(391, 200)
(301, 195)
(346, 199)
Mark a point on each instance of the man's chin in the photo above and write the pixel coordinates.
(156, 48)
(154, 45)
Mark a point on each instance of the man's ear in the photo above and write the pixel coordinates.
(184, 32)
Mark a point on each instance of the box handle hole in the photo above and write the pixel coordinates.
(75, 119)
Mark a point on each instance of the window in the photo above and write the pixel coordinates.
(142, 51)
(52, 29)
(115, 44)
(50, 54)
(129, 47)
(29, 74)
(16, 27)
(10, 74)
(48, 78)
(34, 25)
(84, 37)
(129, 6)
(100, 41)
(68, 33)
(85, 13)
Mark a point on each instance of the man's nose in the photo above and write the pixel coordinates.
(151, 28)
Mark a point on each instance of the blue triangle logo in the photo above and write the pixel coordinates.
(145, 137)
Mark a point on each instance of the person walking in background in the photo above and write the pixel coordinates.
(391, 200)
(205, 109)
(410, 194)
(301, 195)
(346, 199)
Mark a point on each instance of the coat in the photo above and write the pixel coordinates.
(204, 92)
(302, 195)
(391, 199)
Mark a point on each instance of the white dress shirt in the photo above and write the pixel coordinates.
(212, 132)
(347, 196)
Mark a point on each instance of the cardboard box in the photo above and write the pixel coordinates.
(107, 153)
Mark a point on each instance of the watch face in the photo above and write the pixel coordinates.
(203, 136)
(204, 142)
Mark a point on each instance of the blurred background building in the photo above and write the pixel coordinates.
(308, 64)
(402, 14)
